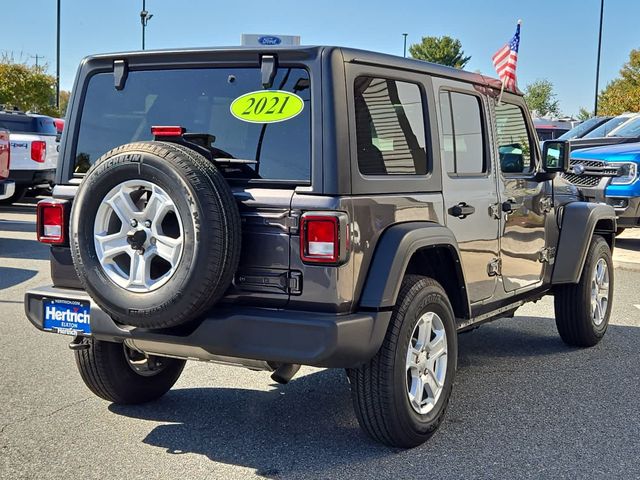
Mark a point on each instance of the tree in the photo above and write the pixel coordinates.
(443, 50)
(584, 114)
(29, 88)
(541, 98)
(622, 94)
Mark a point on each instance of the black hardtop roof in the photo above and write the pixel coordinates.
(352, 55)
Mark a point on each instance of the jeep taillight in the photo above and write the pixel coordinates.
(323, 237)
(38, 151)
(51, 217)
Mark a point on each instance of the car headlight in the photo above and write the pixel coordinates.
(627, 173)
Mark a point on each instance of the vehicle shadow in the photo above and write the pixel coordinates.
(17, 226)
(10, 277)
(512, 375)
(23, 249)
(304, 422)
(27, 205)
(631, 244)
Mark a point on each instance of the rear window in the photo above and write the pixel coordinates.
(198, 100)
(27, 124)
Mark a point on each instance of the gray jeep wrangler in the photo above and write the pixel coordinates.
(277, 207)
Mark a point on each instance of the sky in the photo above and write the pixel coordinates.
(558, 38)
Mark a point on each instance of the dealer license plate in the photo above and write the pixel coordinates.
(68, 317)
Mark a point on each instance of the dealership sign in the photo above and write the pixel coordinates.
(268, 40)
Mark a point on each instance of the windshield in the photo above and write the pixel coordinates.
(26, 124)
(579, 130)
(631, 129)
(198, 100)
(604, 129)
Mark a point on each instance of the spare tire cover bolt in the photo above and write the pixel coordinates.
(133, 222)
(147, 223)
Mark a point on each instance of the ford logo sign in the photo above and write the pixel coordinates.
(269, 41)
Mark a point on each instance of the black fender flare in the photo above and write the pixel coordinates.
(392, 255)
(579, 221)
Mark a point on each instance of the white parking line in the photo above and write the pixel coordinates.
(637, 306)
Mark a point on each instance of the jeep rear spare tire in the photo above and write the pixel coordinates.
(155, 234)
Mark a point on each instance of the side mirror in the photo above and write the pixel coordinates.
(555, 156)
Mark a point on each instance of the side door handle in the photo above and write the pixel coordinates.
(461, 210)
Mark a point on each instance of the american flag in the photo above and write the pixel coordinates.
(506, 59)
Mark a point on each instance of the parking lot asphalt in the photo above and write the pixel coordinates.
(524, 405)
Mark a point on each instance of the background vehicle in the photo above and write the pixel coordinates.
(549, 129)
(7, 186)
(584, 128)
(603, 134)
(609, 175)
(316, 206)
(34, 151)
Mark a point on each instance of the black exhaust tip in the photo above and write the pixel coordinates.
(285, 372)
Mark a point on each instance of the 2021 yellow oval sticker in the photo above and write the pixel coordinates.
(267, 106)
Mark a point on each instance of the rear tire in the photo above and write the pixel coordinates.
(383, 390)
(583, 309)
(107, 371)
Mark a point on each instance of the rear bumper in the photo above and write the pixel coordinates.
(285, 336)
(33, 178)
(7, 189)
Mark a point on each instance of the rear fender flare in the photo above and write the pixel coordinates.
(392, 255)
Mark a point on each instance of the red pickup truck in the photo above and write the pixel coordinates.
(7, 187)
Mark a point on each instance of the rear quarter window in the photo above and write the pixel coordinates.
(390, 130)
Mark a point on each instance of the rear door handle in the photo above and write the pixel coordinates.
(461, 210)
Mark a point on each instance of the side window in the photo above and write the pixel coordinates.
(389, 127)
(463, 148)
(514, 141)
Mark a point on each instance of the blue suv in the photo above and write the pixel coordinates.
(609, 175)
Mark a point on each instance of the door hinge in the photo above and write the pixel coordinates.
(495, 210)
(494, 267)
(546, 204)
(292, 222)
(547, 255)
(295, 283)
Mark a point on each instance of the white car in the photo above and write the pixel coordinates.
(34, 151)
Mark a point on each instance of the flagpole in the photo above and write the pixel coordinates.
(500, 96)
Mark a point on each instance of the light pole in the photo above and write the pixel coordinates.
(405, 44)
(595, 108)
(58, 55)
(144, 19)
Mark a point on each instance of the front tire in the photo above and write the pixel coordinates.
(401, 395)
(118, 374)
(583, 309)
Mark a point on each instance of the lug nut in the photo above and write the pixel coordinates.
(133, 223)
(147, 223)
